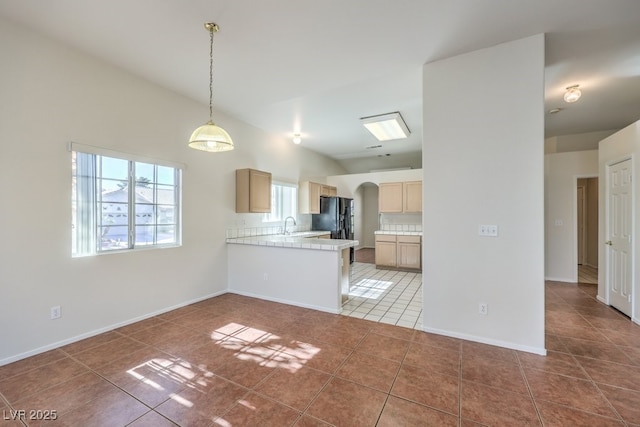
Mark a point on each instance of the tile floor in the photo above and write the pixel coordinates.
(238, 361)
(393, 297)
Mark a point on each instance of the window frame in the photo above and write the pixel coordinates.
(268, 217)
(90, 244)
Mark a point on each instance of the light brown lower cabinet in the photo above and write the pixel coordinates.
(386, 252)
(409, 252)
(401, 252)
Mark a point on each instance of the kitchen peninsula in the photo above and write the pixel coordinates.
(299, 269)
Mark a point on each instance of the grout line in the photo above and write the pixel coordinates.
(526, 382)
(595, 384)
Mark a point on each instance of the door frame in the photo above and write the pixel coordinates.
(574, 229)
(584, 224)
(603, 275)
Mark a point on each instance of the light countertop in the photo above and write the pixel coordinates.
(399, 233)
(300, 240)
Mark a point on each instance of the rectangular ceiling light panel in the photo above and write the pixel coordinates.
(386, 127)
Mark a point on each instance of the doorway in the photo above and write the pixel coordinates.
(587, 229)
(366, 221)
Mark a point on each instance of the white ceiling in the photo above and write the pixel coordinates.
(317, 67)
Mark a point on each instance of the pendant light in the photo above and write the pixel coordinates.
(210, 137)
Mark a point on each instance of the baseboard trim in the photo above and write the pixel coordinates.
(602, 300)
(490, 341)
(99, 331)
(284, 301)
(559, 279)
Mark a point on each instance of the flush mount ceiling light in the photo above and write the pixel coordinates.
(210, 137)
(297, 139)
(386, 127)
(572, 94)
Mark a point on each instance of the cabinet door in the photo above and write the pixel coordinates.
(314, 197)
(309, 197)
(412, 196)
(259, 191)
(409, 255)
(386, 254)
(390, 196)
(333, 191)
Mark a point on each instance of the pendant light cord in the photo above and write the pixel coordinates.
(211, 76)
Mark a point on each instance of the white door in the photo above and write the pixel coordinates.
(619, 261)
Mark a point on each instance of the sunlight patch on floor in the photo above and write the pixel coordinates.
(369, 288)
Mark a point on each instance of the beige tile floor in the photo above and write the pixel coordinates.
(393, 297)
(238, 361)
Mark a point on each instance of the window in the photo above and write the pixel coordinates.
(284, 202)
(121, 203)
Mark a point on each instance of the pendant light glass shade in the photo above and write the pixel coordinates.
(210, 137)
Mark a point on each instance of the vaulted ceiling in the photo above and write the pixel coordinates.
(317, 67)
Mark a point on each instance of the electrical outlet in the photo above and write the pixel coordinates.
(55, 312)
(483, 308)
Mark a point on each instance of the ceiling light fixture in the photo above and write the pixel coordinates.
(297, 139)
(210, 137)
(572, 94)
(386, 127)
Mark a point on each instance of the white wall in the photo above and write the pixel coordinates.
(320, 270)
(375, 163)
(561, 173)
(371, 218)
(619, 146)
(575, 142)
(483, 146)
(52, 94)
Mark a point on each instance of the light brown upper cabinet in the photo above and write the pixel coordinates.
(390, 197)
(400, 197)
(309, 197)
(328, 190)
(253, 191)
(412, 196)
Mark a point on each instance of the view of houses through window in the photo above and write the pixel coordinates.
(123, 204)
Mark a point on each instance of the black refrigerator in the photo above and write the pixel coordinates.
(336, 216)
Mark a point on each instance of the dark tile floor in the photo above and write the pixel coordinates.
(237, 361)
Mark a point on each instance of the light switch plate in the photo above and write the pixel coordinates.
(490, 230)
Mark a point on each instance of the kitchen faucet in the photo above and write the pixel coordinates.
(285, 224)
